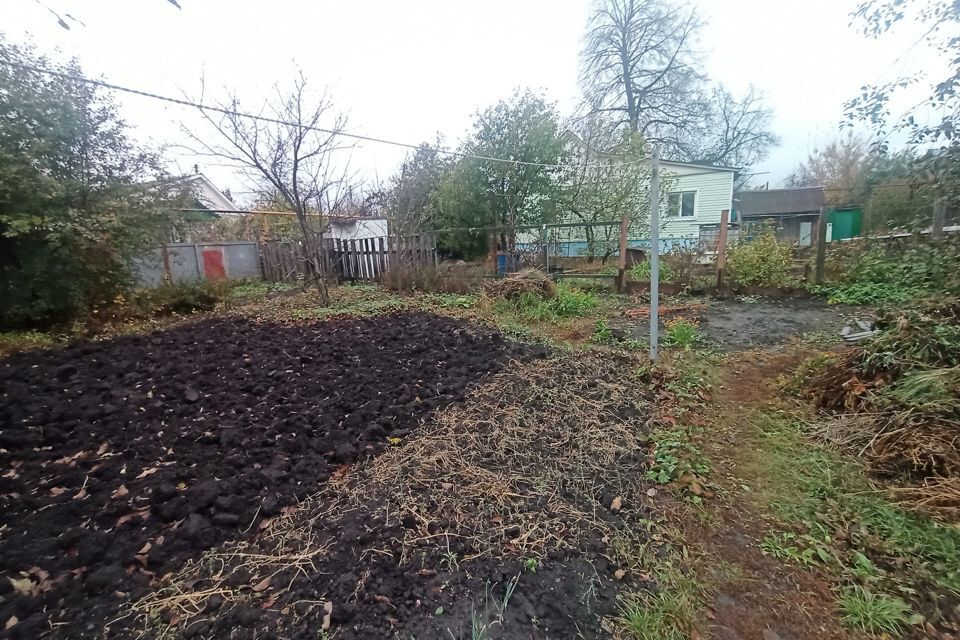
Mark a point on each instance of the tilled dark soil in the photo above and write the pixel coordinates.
(119, 461)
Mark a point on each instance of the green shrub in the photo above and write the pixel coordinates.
(641, 271)
(569, 302)
(681, 333)
(763, 261)
(879, 275)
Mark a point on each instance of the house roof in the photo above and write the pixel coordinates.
(209, 195)
(773, 202)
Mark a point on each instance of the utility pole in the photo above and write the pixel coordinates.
(654, 253)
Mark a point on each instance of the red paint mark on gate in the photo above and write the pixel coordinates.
(213, 268)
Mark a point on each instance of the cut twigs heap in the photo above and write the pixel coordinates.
(895, 402)
(530, 461)
(514, 285)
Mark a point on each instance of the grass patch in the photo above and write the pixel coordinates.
(668, 615)
(569, 302)
(12, 341)
(815, 492)
(873, 613)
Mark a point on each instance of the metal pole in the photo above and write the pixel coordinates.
(654, 253)
(821, 260)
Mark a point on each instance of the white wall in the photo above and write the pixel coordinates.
(358, 229)
(714, 188)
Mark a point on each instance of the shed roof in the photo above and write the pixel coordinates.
(781, 201)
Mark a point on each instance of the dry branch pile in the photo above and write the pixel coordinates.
(895, 402)
(514, 285)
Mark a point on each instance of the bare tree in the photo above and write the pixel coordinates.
(291, 150)
(640, 70)
(735, 131)
(638, 66)
(840, 166)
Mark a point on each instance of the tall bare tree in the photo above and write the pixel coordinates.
(639, 66)
(292, 150)
(640, 70)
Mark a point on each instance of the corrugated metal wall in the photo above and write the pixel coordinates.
(187, 262)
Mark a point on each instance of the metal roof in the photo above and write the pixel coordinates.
(780, 201)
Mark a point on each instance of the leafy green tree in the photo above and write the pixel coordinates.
(931, 125)
(491, 193)
(76, 202)
(602, 182)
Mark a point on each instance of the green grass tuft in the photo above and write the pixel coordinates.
(874, 613)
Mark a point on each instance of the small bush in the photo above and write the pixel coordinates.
(641, 272)
(879, 275)
(569, 302)
(681, 332)
(763, 261)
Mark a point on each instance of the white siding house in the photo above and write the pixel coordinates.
(349, 228)
(698, 196)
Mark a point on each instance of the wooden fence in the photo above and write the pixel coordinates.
(364, 259)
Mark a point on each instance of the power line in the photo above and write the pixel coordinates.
(286, 123)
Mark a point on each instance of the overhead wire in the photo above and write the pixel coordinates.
(261, 118)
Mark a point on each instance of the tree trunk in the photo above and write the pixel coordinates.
(314, 268)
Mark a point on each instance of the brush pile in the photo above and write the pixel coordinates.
(511, 287)
(895, 402)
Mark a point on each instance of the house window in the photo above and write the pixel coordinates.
(682, 204)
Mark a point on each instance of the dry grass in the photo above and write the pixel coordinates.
(239, 572)
(516, 284)
(526, 462)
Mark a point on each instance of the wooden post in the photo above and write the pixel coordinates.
(939, 216)
(821, 246)
(722, 246)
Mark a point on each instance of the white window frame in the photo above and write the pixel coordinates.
(676, 215)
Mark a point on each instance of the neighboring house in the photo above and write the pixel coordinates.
(355, 228)
(209, 202)
(694, 205)
(794, 214)
(699, 192)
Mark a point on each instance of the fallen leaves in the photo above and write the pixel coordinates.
(146, 472)
(120, 492)
(25, 586)
(263, 585)
(616, 504)
(57, 491)
(11, 622)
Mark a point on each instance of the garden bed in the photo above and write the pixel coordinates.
(124, 461)
(517, 513)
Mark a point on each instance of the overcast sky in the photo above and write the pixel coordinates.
(406, 69)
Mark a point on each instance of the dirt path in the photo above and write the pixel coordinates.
(756, 596)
